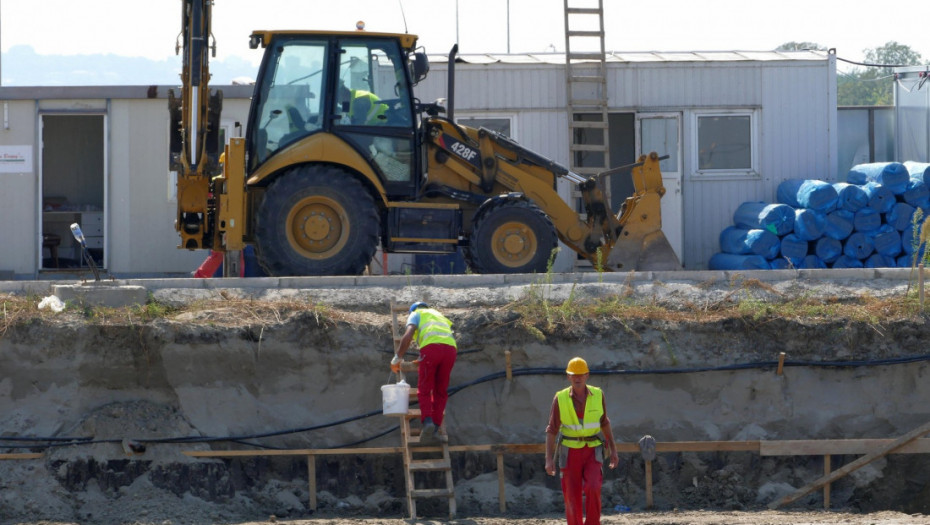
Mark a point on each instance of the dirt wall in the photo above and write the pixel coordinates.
(299, 378)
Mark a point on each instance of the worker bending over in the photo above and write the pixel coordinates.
(578, 421)
(433, 334)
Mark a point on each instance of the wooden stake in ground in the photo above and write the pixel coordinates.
(855, 465)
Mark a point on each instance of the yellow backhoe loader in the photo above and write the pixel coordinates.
(339, 157)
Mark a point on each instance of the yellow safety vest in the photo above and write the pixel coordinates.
(366, 108)
(572, 427)
(433, 328)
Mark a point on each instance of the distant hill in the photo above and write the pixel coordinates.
(22, 66)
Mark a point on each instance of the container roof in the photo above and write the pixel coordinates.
(640, 57)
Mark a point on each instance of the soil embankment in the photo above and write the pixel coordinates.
(251, 369)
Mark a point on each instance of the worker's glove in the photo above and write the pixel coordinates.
(395, 364)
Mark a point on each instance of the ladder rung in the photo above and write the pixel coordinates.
(432, 493)
(583, 10)
(429, 464)
(586, 170)
(587, 78)
(587, 102)
(585, 56)
(586, 33)
(587, 147)
(600, 124)
(412, 413)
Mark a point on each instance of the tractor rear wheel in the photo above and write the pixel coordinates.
(316, 220)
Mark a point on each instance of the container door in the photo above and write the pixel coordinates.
(73, 186)
(661, 132)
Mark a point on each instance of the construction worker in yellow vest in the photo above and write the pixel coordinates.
(433, 333)
(362, 108)
(579, 425)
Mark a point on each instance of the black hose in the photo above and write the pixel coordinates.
(52, 442)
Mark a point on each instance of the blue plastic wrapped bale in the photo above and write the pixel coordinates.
(900, 216)
(850, 197)
(733, 240)
(909, 242)
(905, 261)
(877, 260)
(780, 263)
(892, 175)
(740, 241)
(880, 198)
(812, 262)
(816, 195)
(917, 193)
(829, 250)
(846, 261)
(729, 261)
(858, 246)
(809, 224)
(793, 247)
(867, 220)
(918, 170)
(887, 241)
(776, 218)
(839, 224)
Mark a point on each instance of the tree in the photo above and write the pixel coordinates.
(800, 46)
(874, 85)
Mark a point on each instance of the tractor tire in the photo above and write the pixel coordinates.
(511, 236)
(316, 220)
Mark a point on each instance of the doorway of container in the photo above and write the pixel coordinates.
(72, 181)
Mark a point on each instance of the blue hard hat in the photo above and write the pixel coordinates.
(418, 304)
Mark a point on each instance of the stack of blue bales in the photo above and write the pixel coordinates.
(867, 221)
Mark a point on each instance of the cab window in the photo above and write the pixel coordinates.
(290, 97)
(371, 85)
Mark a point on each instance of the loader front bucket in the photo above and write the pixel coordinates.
(649, 252)
(641, 245)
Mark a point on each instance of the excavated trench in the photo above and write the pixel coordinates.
(224, 377)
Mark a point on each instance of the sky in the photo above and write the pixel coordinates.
(140, 28)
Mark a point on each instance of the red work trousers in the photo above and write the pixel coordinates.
(582, 475)
(436, 361)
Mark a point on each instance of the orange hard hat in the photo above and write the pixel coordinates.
(577, 367)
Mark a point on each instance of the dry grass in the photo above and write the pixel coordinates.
(224, 311)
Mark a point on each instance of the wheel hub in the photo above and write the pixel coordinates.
(514, 244)
(317, 227)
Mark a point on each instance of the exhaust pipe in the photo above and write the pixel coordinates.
(450, 99)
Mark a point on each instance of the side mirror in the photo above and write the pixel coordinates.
(419, 67)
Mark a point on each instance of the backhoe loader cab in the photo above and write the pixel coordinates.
(339, 158)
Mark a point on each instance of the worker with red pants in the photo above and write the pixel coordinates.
(578, 422)
(433, 334)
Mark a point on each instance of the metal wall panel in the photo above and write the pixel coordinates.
(796, 110)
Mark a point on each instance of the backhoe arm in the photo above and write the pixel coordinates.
(194, 134)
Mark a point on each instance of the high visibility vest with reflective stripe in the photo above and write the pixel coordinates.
(433, 328)
(375, 108)
(571, 426)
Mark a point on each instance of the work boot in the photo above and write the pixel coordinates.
(428, 434)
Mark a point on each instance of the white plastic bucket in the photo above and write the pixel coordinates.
(395, 398)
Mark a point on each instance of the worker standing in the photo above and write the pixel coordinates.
(432, 332)
(578, 421)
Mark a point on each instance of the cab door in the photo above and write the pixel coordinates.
(373, 110)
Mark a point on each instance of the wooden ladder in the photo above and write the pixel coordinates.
(586, 88)
(425, 460)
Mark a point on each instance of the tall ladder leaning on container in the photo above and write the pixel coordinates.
(429, 461)
(586, 94)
